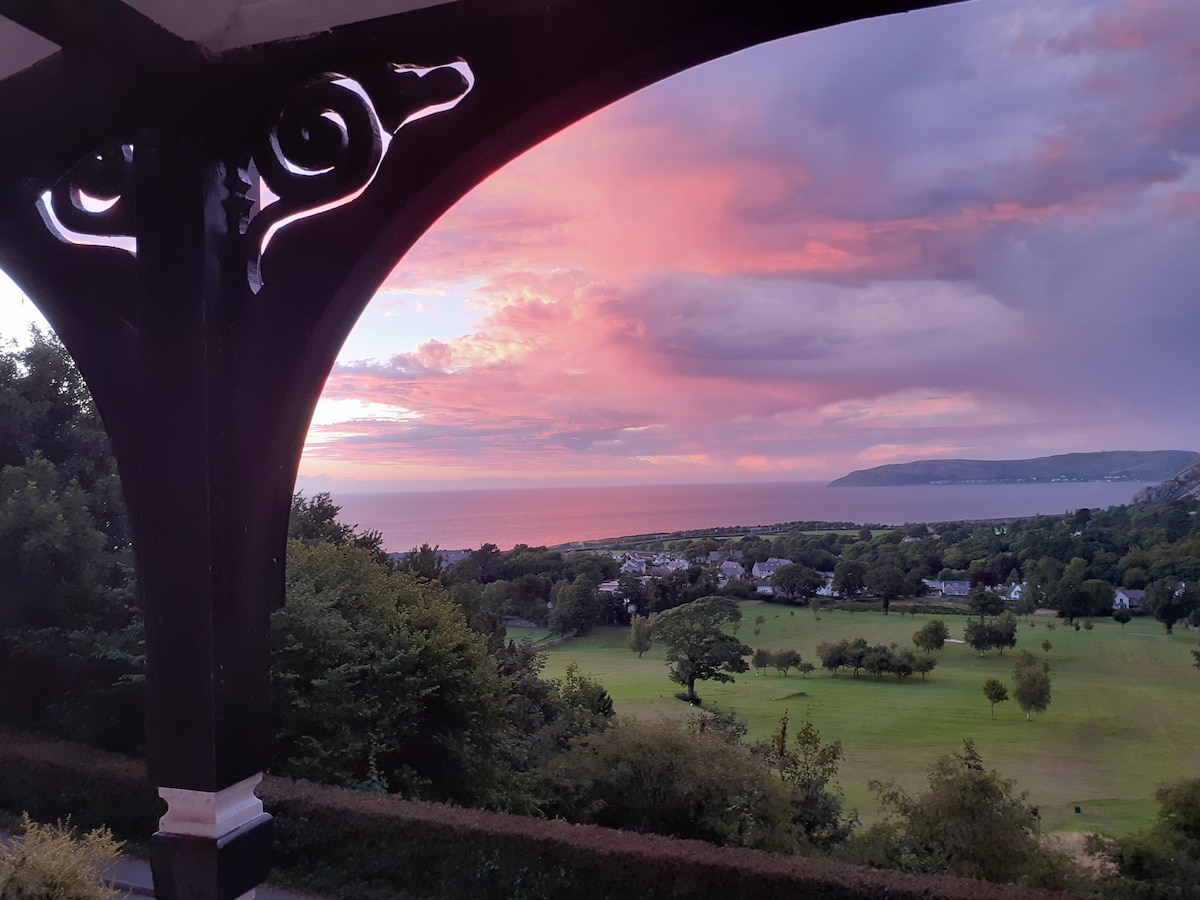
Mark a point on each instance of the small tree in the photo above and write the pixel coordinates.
(980, 636)
(1047, 646)
(832, 656)
(588, 705)
(931, 636)
(785, 660)
(698, 648)
(640, 639)
(808, 766)
(904, 663)
(996, 692)
(924, 665)
(762, 660)
(878, 660)
(1122, 616)
(1005, 628)
(971, 822)
(1032, 684)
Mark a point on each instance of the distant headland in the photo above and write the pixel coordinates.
(1107, 465)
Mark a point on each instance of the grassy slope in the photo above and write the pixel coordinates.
(1121, 717)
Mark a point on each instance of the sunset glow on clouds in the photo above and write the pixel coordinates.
(970, 231)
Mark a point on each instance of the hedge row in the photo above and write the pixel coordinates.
(370, 847)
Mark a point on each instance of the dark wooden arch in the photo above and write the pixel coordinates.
(207, 378)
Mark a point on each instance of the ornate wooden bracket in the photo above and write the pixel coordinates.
(323, 147)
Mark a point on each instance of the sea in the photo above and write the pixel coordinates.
(466, 519)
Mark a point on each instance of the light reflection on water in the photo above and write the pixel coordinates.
(469, 518)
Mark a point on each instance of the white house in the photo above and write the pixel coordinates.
(1125, 598)
(950, 588)
(767, 569)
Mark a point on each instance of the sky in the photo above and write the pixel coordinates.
(965, 232)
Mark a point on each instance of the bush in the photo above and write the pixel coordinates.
(48, 862)
(656, 777)
(968, 823)
(1163, 860)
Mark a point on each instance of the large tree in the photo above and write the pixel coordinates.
(698, 647)
(849, 578)
(1170, 601)
(796, 580)
(314, 520)
(70, 631)
(379, 682)
(48, 412)
(887, 583)
(576, 608)
(985, 603)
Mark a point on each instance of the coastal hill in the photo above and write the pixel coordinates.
(1185, 484)
(1108, 465)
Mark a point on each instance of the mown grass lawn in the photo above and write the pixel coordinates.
(1121, 718)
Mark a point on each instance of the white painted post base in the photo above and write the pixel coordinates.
(202, 814)
(211, 815)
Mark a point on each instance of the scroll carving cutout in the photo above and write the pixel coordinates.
(323, 149)
(93, 203)
(330, 137)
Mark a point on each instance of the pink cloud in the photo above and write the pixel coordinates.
(842, 251)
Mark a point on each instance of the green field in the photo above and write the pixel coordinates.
(1121, 718)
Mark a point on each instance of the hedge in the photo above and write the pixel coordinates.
(350, 844)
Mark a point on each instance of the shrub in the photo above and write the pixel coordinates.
(48, 862)
(971, 823)
(1163, 860)
(656, 777)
